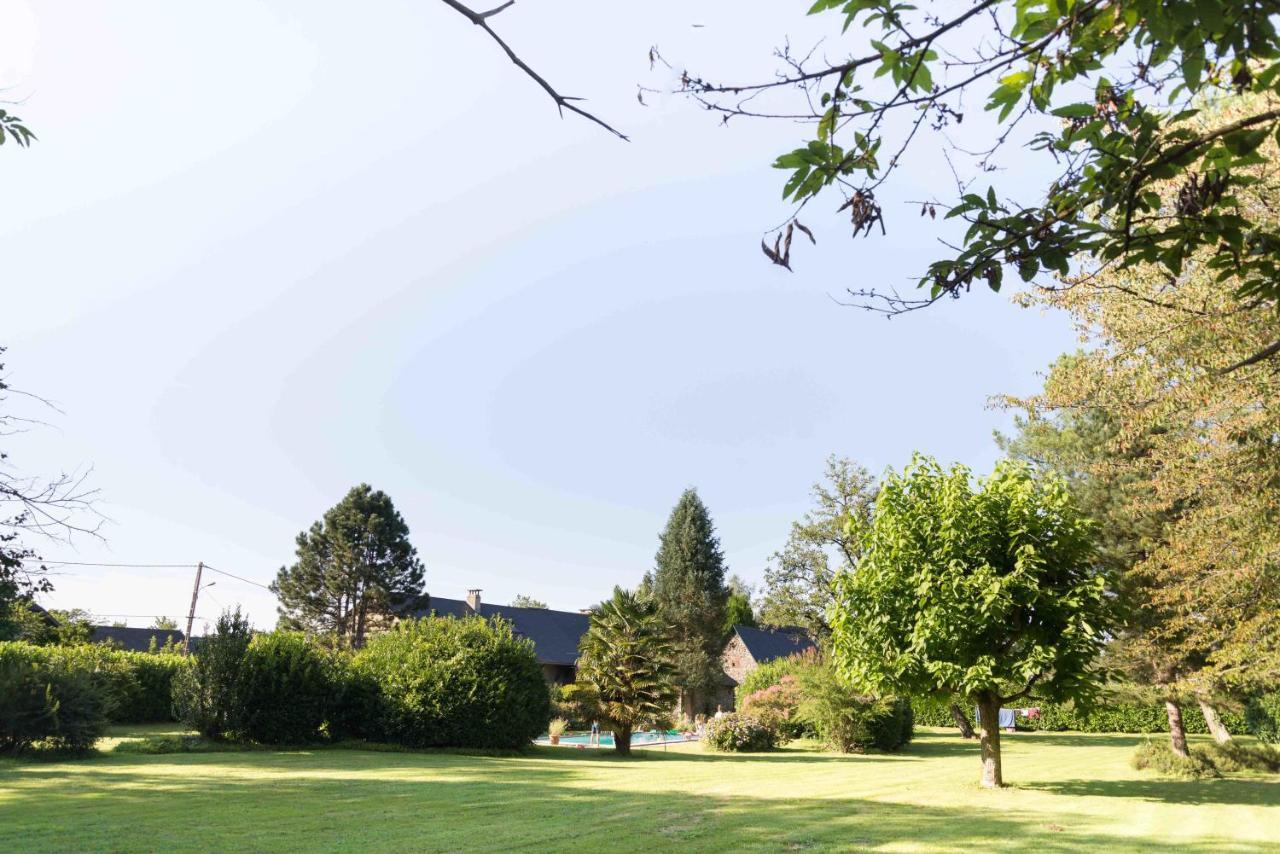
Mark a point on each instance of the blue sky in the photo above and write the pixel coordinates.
(263, 252)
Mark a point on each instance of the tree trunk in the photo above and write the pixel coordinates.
(360, 623)
(962, 721)
(1220, 732)
(989, 726)
(622, 740)
(1177, 733)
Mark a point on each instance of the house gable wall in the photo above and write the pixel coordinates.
(737, 660)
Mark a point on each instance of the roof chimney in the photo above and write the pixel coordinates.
(473, 599)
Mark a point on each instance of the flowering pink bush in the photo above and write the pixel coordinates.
(777, 706)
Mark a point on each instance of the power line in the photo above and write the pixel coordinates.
(237, 577)
(112, 565)
(147, 566)
(141, 616)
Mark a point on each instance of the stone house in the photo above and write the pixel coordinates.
(750, 647)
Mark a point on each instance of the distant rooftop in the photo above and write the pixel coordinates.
(768, 644)
(133, 640)
(555, 634)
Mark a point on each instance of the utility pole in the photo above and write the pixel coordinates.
(191, 615)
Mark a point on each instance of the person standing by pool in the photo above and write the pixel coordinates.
(595, 733)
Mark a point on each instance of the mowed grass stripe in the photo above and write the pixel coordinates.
(1069, 792)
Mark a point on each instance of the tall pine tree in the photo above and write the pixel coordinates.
(690, 594)
(354, 569)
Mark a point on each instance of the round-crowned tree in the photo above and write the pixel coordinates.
(445, 682)
(990, 592)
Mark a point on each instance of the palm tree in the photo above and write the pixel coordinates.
(626, 659)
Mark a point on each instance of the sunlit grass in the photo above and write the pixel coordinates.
(1068, 792)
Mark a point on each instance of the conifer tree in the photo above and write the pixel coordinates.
(690, 594)
(354, 569)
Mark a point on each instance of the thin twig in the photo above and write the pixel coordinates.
(563, 102)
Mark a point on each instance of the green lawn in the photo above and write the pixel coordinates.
(1068, 792)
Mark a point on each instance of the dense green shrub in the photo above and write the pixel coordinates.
(138, 686)
(850, 722)
(206, 694)
(1262, 717)
(355, 708)
(1234, 756)
(48, 701)
(27, 708)
(283, 690)
(739, 733)
(576, 703)
(1107, 715)
(934, 711)
(154, 674)
(1156, 756)
(457, 683)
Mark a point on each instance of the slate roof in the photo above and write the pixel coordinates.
(555, 634)
(133, 639)
(768, 644)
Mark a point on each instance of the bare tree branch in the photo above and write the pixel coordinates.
(563, 102)
(1265, 353)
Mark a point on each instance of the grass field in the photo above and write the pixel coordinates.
(1068, 792)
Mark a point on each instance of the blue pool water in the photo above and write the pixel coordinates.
(638, 739)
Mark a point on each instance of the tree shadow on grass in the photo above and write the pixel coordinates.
(1232, 790)
(330, 801)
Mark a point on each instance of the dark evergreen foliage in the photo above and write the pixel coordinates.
(689, 591)
(284, 690)
(354, 569)
(207, 694)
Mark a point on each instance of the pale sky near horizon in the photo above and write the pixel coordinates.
(264, 251)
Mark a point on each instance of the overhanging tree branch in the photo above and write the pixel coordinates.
(563, 102)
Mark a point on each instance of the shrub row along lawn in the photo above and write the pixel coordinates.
(1070, 792)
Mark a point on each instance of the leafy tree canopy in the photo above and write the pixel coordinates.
(737, 608)
(523, 601)
(1108, 92)
(1173, 366)
(989, 592)
(797, 581)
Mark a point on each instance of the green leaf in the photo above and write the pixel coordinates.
(1075, 111)
(1193, 65)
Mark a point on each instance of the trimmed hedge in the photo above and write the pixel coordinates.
(50, 700)
(284, 690)
(1262, 717)
(138, 685)
(1105, 716)
(446, 682)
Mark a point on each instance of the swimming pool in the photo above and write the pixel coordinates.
(638, 739)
